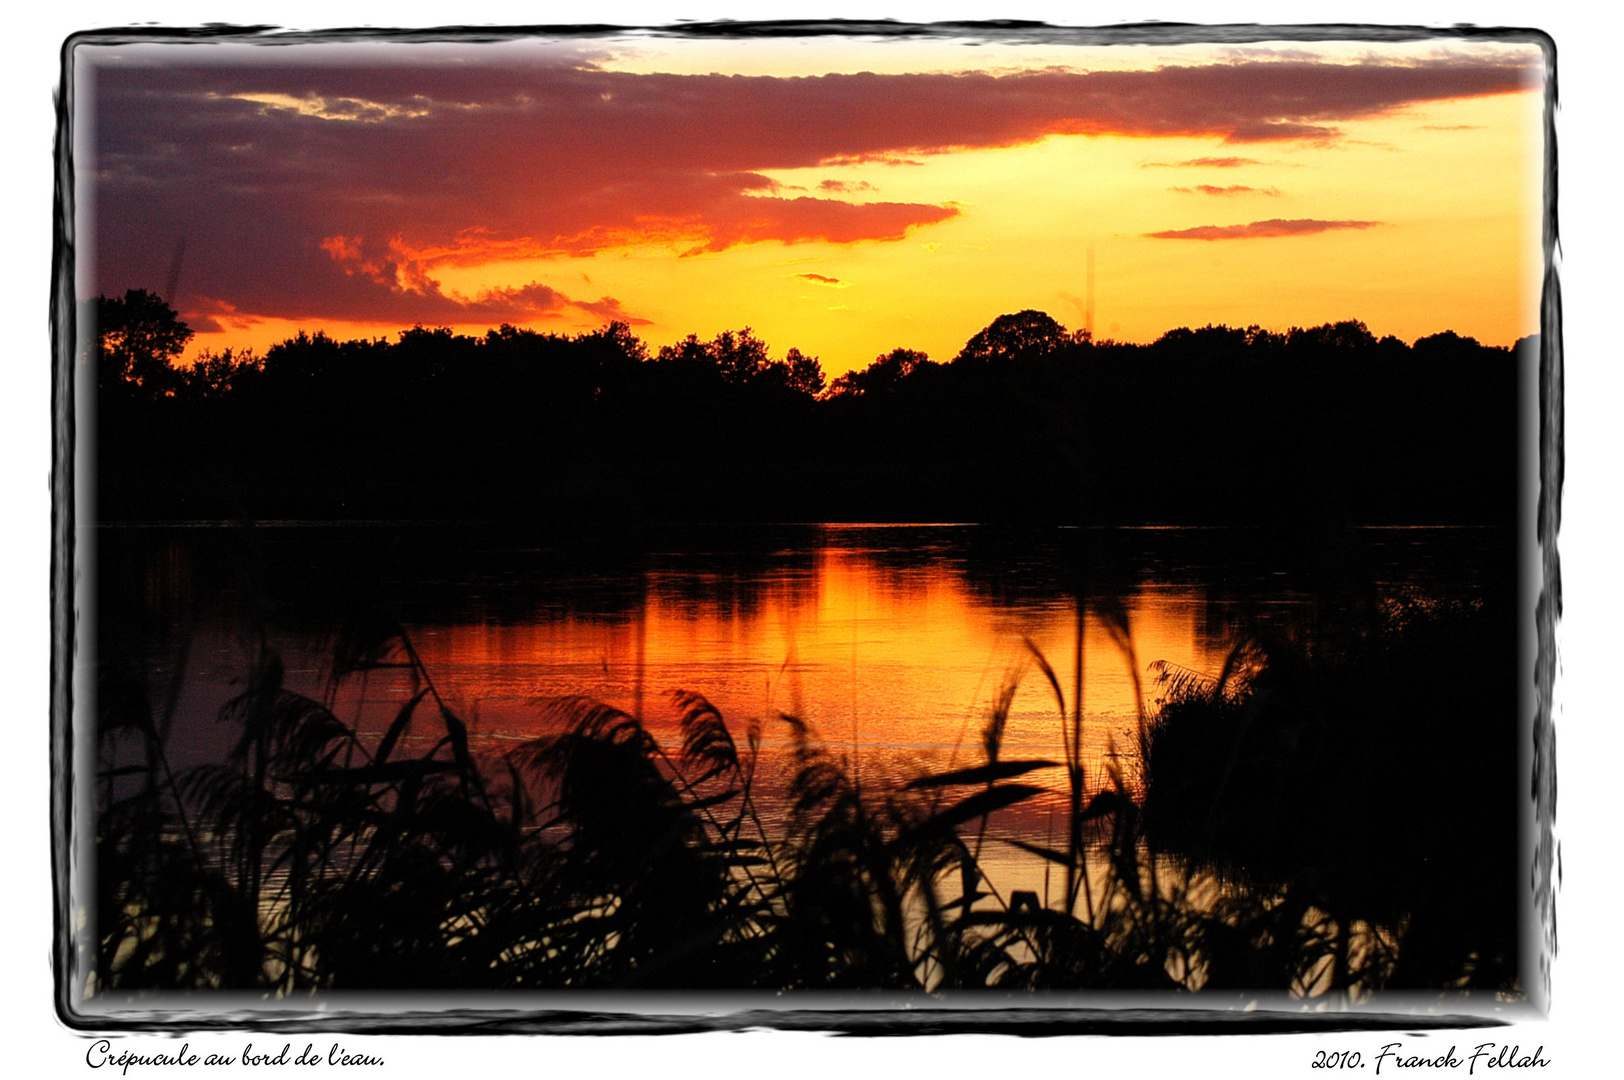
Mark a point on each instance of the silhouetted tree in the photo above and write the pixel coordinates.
(883, 374)
(214, 375)
(739, 356)
(138, 338)
(1023, 333)
(619, 336)
(1444, 344)
(1349, 334)
(1208, 341)
(690, 350)
(805, 373)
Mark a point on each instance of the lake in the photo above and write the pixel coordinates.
(891, 641)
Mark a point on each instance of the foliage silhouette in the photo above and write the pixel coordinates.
(1024, 334)
(1211, 425)
(138, 338)
(882, 376)
(1414, 838)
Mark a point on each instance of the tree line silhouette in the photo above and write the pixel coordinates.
(1029, 422)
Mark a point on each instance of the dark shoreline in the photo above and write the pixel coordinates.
(1213, 426)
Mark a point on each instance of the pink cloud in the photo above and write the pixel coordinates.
(1205, 163)
(1272, 227)
(1231, 189)
(845, 185)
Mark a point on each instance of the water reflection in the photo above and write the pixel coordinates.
(900, 661)
(890, 641)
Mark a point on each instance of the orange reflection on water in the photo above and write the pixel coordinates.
(894, 666)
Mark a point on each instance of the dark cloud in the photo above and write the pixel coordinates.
(821, 279)
(536, 300)
(334, 190)
(1272, 227)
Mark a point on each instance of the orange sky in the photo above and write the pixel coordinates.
(844, 196)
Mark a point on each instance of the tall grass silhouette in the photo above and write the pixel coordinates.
(321, 856)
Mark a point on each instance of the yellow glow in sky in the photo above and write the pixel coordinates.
(1417, 219)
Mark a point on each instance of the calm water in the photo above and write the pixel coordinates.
(891, 641)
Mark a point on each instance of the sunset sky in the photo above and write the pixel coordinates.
(841, 195)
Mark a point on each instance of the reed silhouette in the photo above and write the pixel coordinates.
(1270, 774)
(1253, 840)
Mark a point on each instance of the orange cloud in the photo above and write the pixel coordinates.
(342, 248)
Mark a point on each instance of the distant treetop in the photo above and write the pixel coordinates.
(1022, 333)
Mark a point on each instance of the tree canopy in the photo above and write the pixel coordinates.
(1023, 333)
(138, 339)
